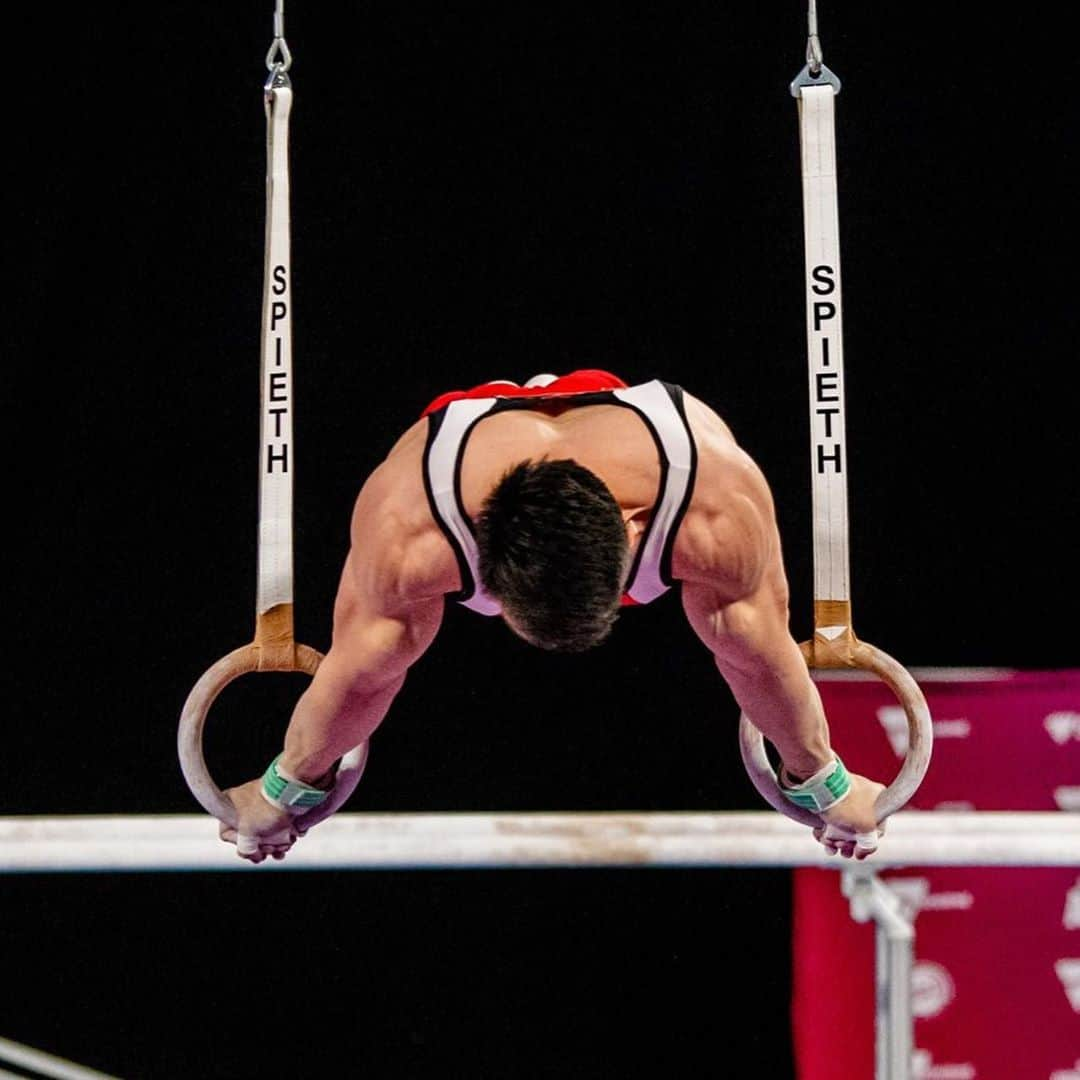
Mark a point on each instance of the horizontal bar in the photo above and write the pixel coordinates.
(504, 840)
(921, 674)
(44, 1064)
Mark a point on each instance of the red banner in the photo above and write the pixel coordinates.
(996, 977)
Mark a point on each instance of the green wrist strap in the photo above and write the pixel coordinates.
(288, 794)
(822, 790)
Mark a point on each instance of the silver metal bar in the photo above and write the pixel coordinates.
(26, 1057)
(361, 841)
(894, 949)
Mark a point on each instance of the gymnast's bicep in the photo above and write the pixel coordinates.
(377, 637)
(390, 597)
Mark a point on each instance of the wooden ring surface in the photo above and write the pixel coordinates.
(916, 762)
(250, 658)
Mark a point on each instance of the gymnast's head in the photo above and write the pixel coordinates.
(554, 552)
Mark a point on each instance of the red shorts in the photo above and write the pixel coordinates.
(584, 381)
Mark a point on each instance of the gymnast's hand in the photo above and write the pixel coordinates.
(851, 826)
(263, 829)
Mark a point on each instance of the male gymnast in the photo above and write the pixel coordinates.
(554, 505)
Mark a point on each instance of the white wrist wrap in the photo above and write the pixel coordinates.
(823, 790)
(287, 793)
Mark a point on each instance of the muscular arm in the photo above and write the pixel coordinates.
(387, 612)
(361, 675)
(385, 616)
(735, 596)
(761, 663)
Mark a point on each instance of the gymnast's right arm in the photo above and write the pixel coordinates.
(374, 644)
(387, 612)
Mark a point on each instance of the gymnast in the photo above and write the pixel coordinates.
(554, 505)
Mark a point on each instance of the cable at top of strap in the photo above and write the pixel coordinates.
(813, 43)
(278, 57)
(815, 73)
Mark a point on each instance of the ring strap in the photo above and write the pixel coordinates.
(825, 351)
(276, 454)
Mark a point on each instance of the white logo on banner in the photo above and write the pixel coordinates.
(1071, 918)
(1067, 1074)
(1063, 726)
(931, 989)
(911, 892)
(1068, 971)
(923, 1068)
(1067, 798)
(894, 720)
(914, 895)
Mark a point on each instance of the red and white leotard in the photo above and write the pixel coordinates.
(452, 416)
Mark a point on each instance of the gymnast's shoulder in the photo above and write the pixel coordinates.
(727, 539)
(397, 550)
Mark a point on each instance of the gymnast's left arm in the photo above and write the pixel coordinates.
(735, 596)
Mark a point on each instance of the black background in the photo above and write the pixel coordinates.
(476, 195)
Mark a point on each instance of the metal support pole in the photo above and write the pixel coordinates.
(894, 947)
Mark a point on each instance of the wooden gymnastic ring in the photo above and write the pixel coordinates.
(239, 662)
(920, 739)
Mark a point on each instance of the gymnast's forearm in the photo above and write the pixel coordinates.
(793, 720)
(330, 720)
(783, 703)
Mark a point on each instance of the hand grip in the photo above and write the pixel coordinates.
(920, 740)
(250, 658)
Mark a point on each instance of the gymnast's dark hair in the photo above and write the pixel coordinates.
(553, 552)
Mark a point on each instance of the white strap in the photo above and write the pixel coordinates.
(276, 453)
(824, 334)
